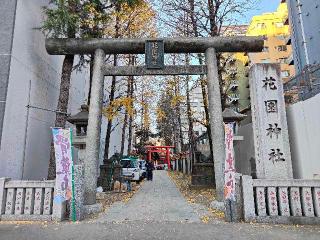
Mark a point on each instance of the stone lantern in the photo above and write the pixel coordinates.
(80, 120)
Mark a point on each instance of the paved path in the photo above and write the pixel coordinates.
(157, 211)
(156, 201)
(157, 230)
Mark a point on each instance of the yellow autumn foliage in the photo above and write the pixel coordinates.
(160, 114)
(146, 116)
(112, 110)
(134, 21)
(176, 100)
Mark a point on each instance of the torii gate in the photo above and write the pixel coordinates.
(160, 149)
(100, 47)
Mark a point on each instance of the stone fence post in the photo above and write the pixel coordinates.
(248, 198)
(2, 195)
(79, 193)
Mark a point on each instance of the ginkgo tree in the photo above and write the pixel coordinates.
(169, 110)
(129, 21)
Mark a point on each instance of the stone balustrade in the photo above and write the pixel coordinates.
(26, 200)
(292, 201)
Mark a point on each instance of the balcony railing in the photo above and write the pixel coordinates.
(290, 60)
(303, 86)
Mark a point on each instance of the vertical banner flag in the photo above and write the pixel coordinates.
(229, 171)
(64, 164)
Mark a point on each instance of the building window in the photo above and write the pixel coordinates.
(265, 49)
(278, 24)
(265, 60)
(261, 25)
(282, 60)
(285, 74)
(282, 48)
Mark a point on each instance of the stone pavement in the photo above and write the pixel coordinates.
(157, 211)
(156, 230)
(156, 201)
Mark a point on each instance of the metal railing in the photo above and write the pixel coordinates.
(304, 85)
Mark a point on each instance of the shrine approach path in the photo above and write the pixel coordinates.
(156, 201)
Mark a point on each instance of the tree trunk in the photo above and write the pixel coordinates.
(130, 118)
(213, 8)
(125, 122)
(189, 115)
(61, 118)
(123, 134)
(109, 126)
(132, 60)
(206, 110)
(113, 89)
(206, 105)
(107, 141)
(130, 134)
(202, 81)
(90, 79)
(190, 123)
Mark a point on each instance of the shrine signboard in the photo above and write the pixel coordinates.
(154, 50)
(229, 171)
(272, 150)
(64, 164)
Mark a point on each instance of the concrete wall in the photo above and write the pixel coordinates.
(26, 137)
(310, 18)
(7, 18)
(244, 150)
(304, 131)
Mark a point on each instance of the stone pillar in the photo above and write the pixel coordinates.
(284, 201)
(248, 198)
(295, 202)
(3, 195)
(307, 203)
(94, 129)
(261, 202)
(29, 201)
(10, 201)
(216, 121)
(19, 206)
(316, 199)
(38, 201)
(78, 189)
(272, 201)
(271, 140)
(48, 193)
(59, 209)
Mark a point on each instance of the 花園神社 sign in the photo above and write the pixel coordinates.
(154, 54)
